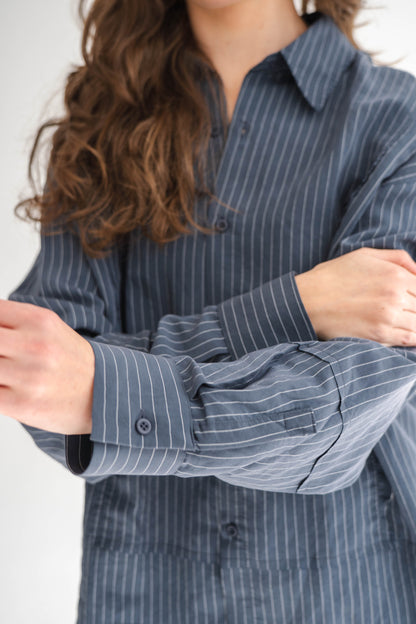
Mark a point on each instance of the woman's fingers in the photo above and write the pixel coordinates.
(9, 372)
(9, 342)
(404, 330)
(402, 337)
(368, 293)
(15, 313)
(396, 256)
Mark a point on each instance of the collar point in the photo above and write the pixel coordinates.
(317, 103)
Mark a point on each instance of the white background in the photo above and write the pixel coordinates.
(42, 503)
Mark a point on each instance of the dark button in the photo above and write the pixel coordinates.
(231, 530)
(215, 132)
(143, 426)
(221, 224)
(245, 128)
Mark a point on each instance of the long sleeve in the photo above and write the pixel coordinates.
(272, 313)
(388, 220)
(85, 293)
(358, 388)
(268, 420)
(380, 213)
(296, 416)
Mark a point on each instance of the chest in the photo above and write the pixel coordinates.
(280, 174)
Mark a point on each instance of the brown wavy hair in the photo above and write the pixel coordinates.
(129, 152)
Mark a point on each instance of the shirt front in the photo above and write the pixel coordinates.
(239, 470)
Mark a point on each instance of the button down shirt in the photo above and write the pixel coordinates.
(240, 470)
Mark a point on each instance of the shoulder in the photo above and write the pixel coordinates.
(389, 92)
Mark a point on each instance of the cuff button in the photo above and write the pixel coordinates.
(143, 426)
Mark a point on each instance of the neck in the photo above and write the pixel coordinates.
(236, 35)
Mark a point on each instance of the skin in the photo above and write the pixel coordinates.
(367, 293)
(47, 368)
(237, 34)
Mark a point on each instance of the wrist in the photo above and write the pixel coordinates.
(312, 300)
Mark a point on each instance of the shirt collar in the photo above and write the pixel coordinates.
(318, 58)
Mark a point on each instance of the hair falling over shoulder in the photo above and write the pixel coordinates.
(129, 151)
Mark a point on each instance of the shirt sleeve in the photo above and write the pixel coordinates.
(388, 220)
(270, 314)
(299, 416)
(296, 417)
(85, 293)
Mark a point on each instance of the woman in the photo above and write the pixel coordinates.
(270, 358)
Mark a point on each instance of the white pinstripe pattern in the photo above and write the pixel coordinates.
(308, 447)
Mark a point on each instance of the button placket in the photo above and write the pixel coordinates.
(221, 222)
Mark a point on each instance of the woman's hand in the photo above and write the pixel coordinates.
(367, 293)
(46, 370)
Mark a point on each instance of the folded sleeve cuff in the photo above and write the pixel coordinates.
(265, 316)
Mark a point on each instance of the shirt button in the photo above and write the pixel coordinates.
(215, 131)
(245, 128)
(231, 530)
(221, 224)
(143, 426)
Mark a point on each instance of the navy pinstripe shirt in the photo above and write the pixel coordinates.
(239, 470)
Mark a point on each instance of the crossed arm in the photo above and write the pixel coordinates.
(299, 415)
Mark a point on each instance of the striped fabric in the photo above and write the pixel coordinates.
(239, 470)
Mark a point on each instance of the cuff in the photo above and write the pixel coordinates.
(139, 404)
(95, 461)
(265, 316)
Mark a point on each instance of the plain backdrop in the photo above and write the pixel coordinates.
(42, 502)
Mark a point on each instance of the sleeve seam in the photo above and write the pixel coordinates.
(328, 359)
